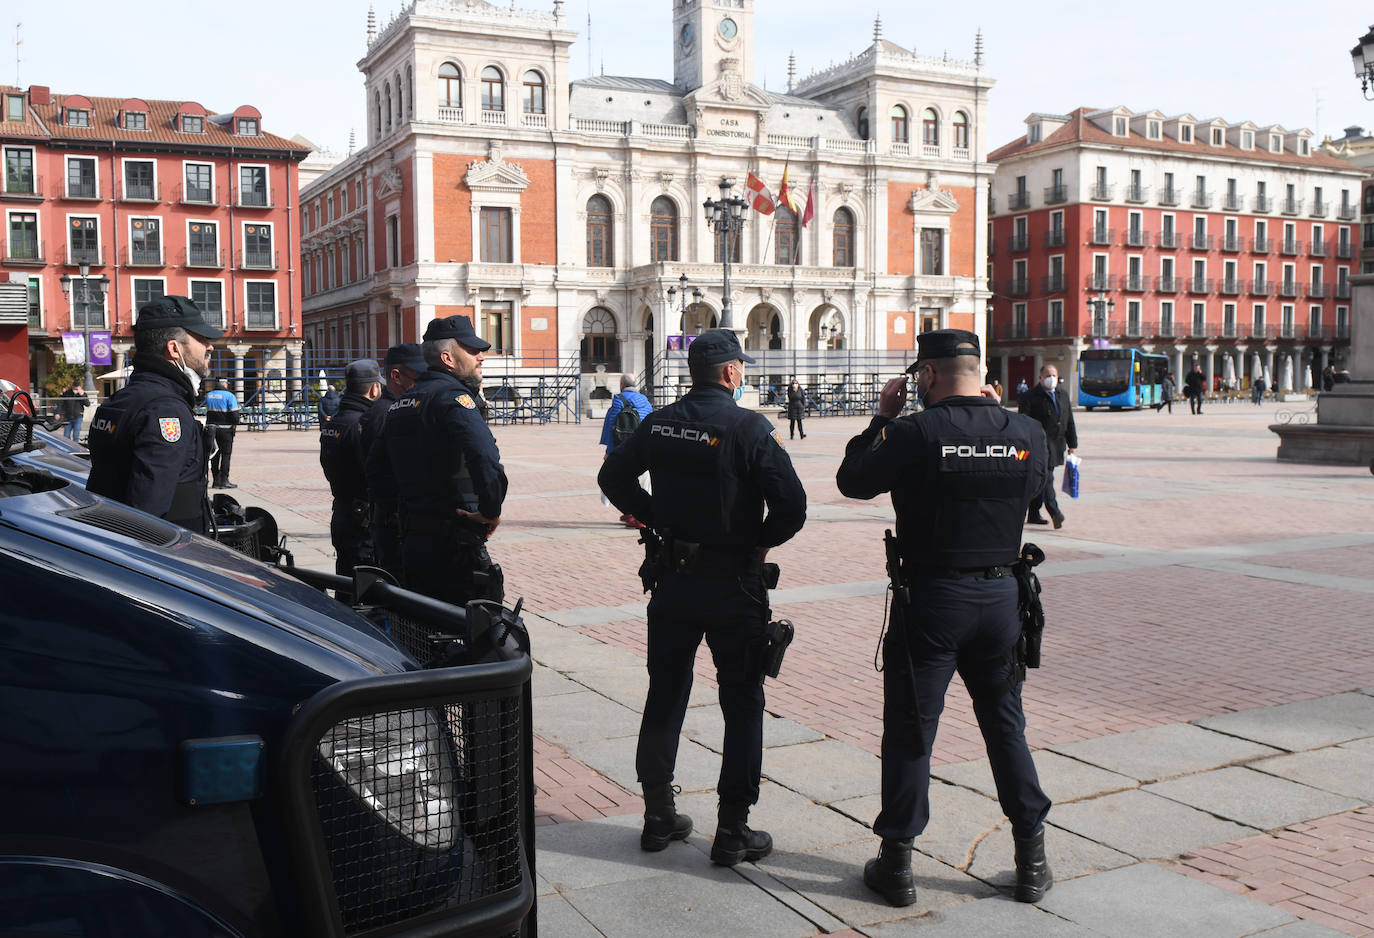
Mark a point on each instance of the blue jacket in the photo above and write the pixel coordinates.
(637, 400)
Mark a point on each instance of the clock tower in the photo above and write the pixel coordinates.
(711, 38)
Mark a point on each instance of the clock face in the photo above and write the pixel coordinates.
(686, 34)
(728, 28)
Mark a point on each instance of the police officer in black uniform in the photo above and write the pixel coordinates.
(713, 467)
(961, 474)
(342, 457)
(147, 450)
(404, 363)
(447, 469)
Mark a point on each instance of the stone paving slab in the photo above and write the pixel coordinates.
(1070, 856)
(585, 716)
(997, 917)
(584, 854)
(1162, 751)
(696, 769)
(546, 682)
(1302, 930)
(1252, 798)
(824, 771)
(1305, 724)
(706, 726)
(1145, 825)
(628, 685)
(1343, 770)
(1062, 778)
(798, 825)
(1144, 901)
(558, 917)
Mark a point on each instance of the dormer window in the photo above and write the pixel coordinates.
(1122, 129)
(135, 120)
(1275, 143)
(1152, 129)
(246, 127)
(1218, 137)
(78, 117)
(1247, 139)
(1302, 146)
(192, 124)
(14, 107)
(1185, 133)
(1034, 136)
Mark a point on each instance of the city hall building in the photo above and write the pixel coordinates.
(559, 213)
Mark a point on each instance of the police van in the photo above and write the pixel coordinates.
(197, 744)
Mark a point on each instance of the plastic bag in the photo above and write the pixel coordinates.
(1071, 475)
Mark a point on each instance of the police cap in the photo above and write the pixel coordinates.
(361, 375)
(406, 355)
(167, 312)
(458, 328)
(715, 347)
(944, 343)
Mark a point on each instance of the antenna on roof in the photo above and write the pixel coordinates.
(589, 39)
(350, 141)
(978, 48)
(371, 24)
(18, 44)
(791, 71)
(877, 27)
(1317, 109)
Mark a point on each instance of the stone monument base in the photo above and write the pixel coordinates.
(1343, 434)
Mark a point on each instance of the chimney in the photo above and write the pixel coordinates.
(40, 96)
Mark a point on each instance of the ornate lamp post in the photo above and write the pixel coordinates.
(725, 216)
(1101, 306)
(85, 298)
(1363, 56)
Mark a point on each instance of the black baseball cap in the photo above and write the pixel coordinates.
(715, 347)
(166, 312)
(361, 375)
(944, 343)
(406, 355)
(458, 328)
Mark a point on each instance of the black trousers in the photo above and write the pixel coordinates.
(1046, 499)
(442, 567)
(219, 463)
(729, 612)
(352, 543)
(794, 425)
(965, 625)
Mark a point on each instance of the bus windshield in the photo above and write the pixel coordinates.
(1104, 377)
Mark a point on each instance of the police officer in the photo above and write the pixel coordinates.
(341, 458)
(961, 474)
(404, 363)
(713, 467)
(147, 449)
(447, 469)
(221, 422)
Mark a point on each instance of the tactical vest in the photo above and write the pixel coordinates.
(431, 478)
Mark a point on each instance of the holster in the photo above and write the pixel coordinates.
(911, 727)
(1028, 607)
(652, 567)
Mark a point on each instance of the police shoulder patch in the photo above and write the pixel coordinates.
(467, 401)
(170, 428)
(880, 439)
(776, 439)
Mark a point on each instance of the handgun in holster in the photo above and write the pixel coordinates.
(652, 566)
(1028, 609)
(901, 609)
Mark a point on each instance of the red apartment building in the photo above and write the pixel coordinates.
(1227, 245)
(155, 198)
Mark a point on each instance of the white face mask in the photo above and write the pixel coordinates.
(1049, 382)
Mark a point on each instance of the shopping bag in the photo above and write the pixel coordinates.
(1071, 474)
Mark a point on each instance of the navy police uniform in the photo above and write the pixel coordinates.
(713, 467)
(961, 474)
(444, 458)
(147, 450)
(342, 457)
(381, 484)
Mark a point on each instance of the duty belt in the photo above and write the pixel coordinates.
(688, 558)
(964, 573)
(444, 527)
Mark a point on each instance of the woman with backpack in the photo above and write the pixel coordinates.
(628, 409)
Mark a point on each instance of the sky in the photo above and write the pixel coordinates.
(1266, 61)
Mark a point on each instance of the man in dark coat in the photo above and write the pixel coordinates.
(147, 449)
(404, 365)
(1193, 386)
(1049, 404)
(342, 457)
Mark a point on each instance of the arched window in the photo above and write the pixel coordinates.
(930, 127)
(599, 232)
(663, 229)
(450, 86)
(862, 121)
(400, 100)
(410, 92)
(493, 89)
(843, 229)
(386, 93)
(377, 114)
(900, 131)
(785, 237)
(534, 93)
(960, 130)
(599, 344)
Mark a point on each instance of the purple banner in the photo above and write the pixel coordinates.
(100, 349)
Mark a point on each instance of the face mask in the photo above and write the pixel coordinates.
(1049, 382)
(190, 375)
(738, 393)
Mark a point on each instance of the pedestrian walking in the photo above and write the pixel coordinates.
(72, 408)
(961, 474)
(221, 423)
(627, 411)
(1257, 391)
(1194, 386)
(1048, 404)
(1166, 393)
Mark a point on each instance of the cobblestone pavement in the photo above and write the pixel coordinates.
(1197, 576)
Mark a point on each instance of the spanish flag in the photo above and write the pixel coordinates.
(786, 196)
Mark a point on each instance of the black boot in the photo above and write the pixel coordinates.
(889, 873)
(662, 823)
(735, 841)
(1033, 876)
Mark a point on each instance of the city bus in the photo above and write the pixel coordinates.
(1120, 377)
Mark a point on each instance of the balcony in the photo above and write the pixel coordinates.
(1201, 242)
(1168, 284)
(1344, 250)
(1260, 331)
(1103, 328)
(1013, 330)
(1198, 330)
(1321, 331)
(1169, 240)
(1262, 245)
(202, 257)
(142, 257)
(1054, 329)
(1232, 243)
(1053, 283)
(1137, 238)
(1056, 194)
(1138, 328)
(1018, 242)
(1319, 208)
(1347, 212)
(1288, 289)
(1318, 249)
(1201, 199)
(1230, 286)
(76, 256)
(542, 120)
(1263, 205)
(1228, 330)
(1291, 206)
(253, 198)
(1231, 202)
(1102, 191)
(1168, 329)
(1286, 331)
(497, 118)
(1018, 286)
(1201, 285)
(80, 190)
(25, 252)
(1018, 201)
(1055, 238)
(257, 260)
(1318, 291)
(1170, 196)
(195, 195)
(23, 188)
(139, 192)
(1100, 282)
(1137, 193)
(1102, 236)
(1342, 330)
(1261, 288)
(1343, 291)
(1133, 283)
(1290, 247)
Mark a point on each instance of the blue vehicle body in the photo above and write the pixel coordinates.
(187, 748)
(1120, 377)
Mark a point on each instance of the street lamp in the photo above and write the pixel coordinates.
(682, 308)
(1363, 57)
(89, 383)
(1101, 305)
(725, 216)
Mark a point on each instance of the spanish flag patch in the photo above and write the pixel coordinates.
(467, 401)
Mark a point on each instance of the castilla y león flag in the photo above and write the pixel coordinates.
(759, 196)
